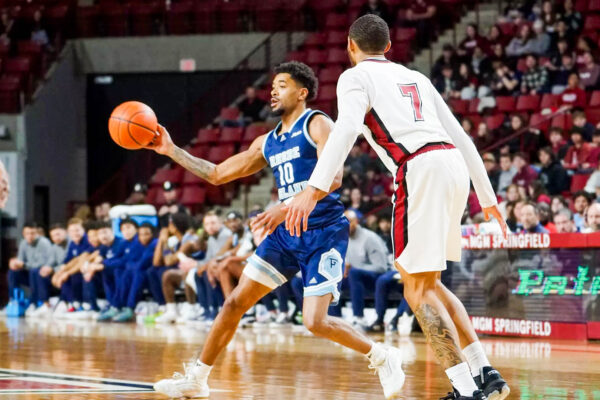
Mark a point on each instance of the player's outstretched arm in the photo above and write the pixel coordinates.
(238, 166)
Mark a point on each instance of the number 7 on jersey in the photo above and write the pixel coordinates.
(412, 91)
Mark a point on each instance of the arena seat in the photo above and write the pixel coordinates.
(404, 35)
(204, 17)
(327, 93)
(337, 57)
(594, 99)
(115, 19)
(162, 175)
(336, 38)
(505, 104)
(459, 106)
(229, 114)
(578, 182)
(208, 135)
(336, 21)
(191, 179)
(528, 103)
(494, 121)
(87, 21)
(142, 18)
(330, 75)
(254, 131)
(315, 40)
(193, 195)
(539, 121)
(563, 121)
(316, 57)
(220, 153)
(179, 18)
(230, 135)
(549, 100)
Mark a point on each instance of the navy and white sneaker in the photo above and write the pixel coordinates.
(454, 395)
(492, 384)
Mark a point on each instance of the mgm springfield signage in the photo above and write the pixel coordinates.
(531, 285)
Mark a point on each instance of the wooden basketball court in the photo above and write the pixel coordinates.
(83, 360)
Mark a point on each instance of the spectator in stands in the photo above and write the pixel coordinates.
(553, 175)
(465, 83)
(545, 215)
(563, 221)
(251, 107)
(540, 43)
(384, 229)
(358, 203)
(525, 173)
(494, 37)
(559, 77)
(101, 211)
(32, 266)
(506, 175)
(530, 222)
(589, 72)
(517, 124)
(7, 25)
(558, 203)
(448, 57)
(580, 121)
(358, 161)
(535, 79)
(468, 44)
(138, 196)
(171, 206)
(558, 143)
(573, 95)
(481, 64)
(376, 7)
(593, 219)
(549, 16)
(366, 260)
(584, 44)
(39, 33)
(420, 15)
(505, 81)
(447, 84)
(467, 125)
(577, 157)
(521, 44)
(561, 33)
(537, 192)
(489, 161)
(572, 17)
(581, 201)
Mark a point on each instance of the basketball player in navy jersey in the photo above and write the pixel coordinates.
(291, 151)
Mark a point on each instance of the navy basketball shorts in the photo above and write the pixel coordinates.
(318, 254)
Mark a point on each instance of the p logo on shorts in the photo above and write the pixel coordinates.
(330, 265)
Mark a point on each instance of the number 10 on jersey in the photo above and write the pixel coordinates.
(286, 174)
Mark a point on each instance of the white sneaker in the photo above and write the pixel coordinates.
(30, 311)
(60, 310)
(43, 311)
(390, 371)
(187, 385)
(405, 324)
(281, 320)
(188, 312)
(167, 318)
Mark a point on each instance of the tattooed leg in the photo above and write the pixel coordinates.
(458, 313)
(435, 321)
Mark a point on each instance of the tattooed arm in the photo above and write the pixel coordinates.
(238, 166)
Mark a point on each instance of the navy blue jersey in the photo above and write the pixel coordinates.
(292, 156)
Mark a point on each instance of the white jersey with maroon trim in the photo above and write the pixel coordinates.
(403, 112)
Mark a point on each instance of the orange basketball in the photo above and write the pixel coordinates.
(132, 125)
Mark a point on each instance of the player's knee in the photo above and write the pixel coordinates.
(416, 289)
(316, 325)
(236, 304)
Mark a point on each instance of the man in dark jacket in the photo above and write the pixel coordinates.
(553, 175)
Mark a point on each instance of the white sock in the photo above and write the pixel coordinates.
(461, 379)
(201, 370)
(171, 308)
(377, 353)
(476, 357)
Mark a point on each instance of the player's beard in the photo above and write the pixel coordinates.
(278, 112)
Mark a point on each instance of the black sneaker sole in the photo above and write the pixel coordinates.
(499, 394)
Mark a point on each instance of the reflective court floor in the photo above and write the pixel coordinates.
(83, 360)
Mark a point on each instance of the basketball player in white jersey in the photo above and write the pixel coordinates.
(416, 136)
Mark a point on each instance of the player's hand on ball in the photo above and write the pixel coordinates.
(162, 144)
(299, 210)
(494, 212)
(269, 220)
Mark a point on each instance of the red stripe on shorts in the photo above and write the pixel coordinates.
(400, 213)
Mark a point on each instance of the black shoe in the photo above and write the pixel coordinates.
(377, 327)
(477, 395)
(491, 383)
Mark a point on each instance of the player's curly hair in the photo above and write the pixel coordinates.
(302, 74)
(371, 33)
